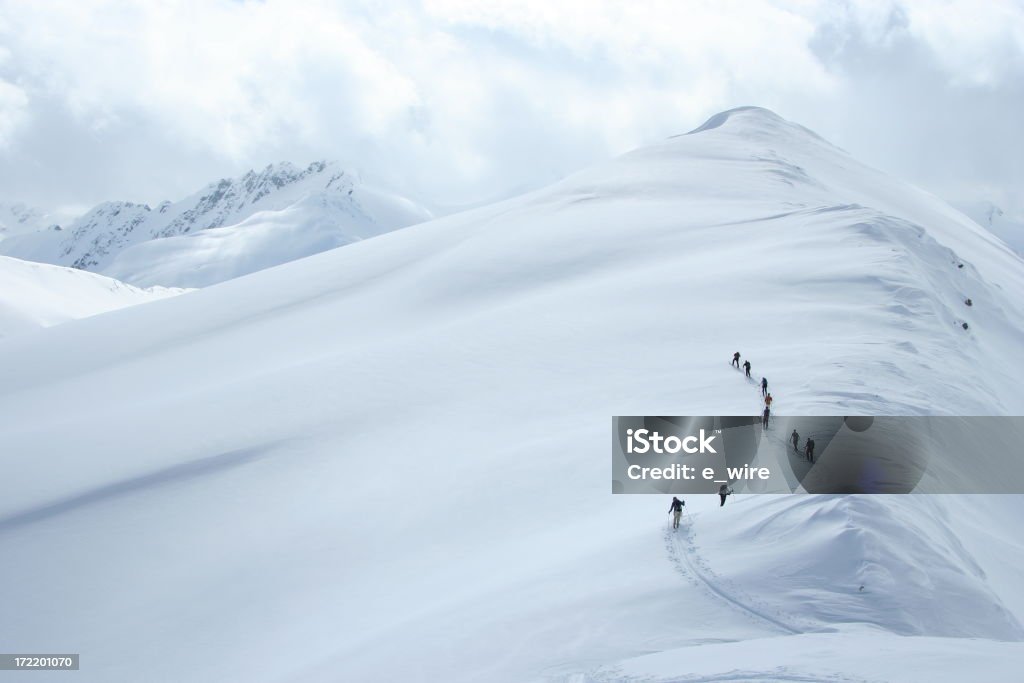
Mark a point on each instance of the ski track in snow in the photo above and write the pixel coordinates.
(682, 550)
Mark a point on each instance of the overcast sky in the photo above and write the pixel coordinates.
(458, 101)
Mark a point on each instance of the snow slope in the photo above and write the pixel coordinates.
(390, 461)
(35, 295)
(912, 605)
(229, 228)
(1008, 228)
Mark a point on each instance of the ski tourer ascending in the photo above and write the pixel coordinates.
(736, 360)
(795, 438)
(746, 366)
(677, 510)
(768, 401)
(723, 492)
(764, 417)
(764, 386)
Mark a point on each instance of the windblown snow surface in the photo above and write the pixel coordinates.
(36, 295)
(391, 461)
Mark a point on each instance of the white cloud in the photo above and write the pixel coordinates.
(457, 98)
(13, 103)
(13, 110)
(227, 76)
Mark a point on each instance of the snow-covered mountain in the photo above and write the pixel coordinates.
(18, 218)
(35, 295)
(996, 221)
(391, 461)
(229, 228)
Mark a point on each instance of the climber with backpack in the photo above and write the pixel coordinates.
(677, 510)
(723, 492)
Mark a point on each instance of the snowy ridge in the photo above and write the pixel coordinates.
(229, 200)
(402, 445)
(36, 295)
(120, 239)
(778, 561)
(796, 553)
(105, 229)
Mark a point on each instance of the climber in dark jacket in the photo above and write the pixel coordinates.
(677, 510)
(723, 492)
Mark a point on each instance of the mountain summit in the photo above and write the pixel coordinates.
(754, 122)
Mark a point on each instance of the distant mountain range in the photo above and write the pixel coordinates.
(18, 218)
(231, 227)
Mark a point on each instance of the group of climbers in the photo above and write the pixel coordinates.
(725, 490)
(808, 446)
(794, 437)
(736, 362)
(676, 508)
(765, 394)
